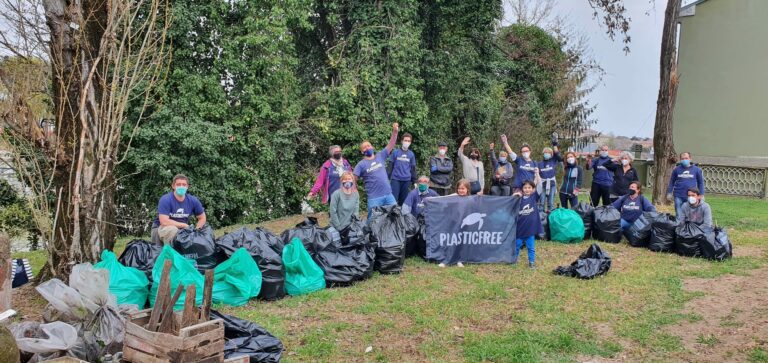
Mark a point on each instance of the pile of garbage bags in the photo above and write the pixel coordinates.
(587, 213)
(663, 233)
(245, 338)
(349, 258)
(639, 233)
(390, 230)
(607, 226)
(266, 250)
(590, 264)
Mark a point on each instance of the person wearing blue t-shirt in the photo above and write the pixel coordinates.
(602, 179)
(526, 167)
(632, 205)
(174, 210)
(414, 204)
(373, 170)
(403, 169)
(684, 177)
(547, 187)
(528, 221)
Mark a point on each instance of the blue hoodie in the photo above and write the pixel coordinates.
(632, 209)
(602, 175)
(548, 168)
(683, 179)
(403, 165)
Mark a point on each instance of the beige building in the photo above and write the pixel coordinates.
(721, 114)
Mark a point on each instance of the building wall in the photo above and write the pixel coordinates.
(721, 114)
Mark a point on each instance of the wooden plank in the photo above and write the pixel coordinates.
(168, 323)
(205, 311)
(200, 328)
(240, 359)
(203, 339)
(216, 349)
(163, 292)
(190, 315)
(136, 356)
(158, 340)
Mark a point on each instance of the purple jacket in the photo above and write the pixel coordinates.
(324, 176)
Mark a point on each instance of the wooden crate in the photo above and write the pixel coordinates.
(241, 359)
(201, 343)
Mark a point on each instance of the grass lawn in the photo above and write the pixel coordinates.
(650, 307)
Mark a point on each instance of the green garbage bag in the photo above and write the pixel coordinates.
(566, 226)
(302, 275)
(128, 284)
(237, 279)
(183, 272)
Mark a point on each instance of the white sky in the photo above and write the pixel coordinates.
(626, 97)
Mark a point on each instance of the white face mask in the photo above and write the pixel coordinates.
(693, 200)
(526, 155)
(624, 162)
(406, 145)
(441, 152)
(571, 160)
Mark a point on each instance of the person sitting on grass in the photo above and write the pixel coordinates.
(632, 205)
(414, 203)
(173, 211)
(528, 221)
(373, 170)
(695, 209)
(345, 203)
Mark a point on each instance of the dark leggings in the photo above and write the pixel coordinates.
(565, 198)
(441, 191)
(600, 191)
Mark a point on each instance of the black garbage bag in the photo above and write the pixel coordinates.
(690, 237)
(544, 233)
(245, 338)
(415, 244)
(592, 263)
(719, 248)
(607, 226)
(141, 254)
(261, 245)
(357, 239)
(663, 233)
(310, 234)
(347, 259)
(198, 245)
(587, 214)
(389, 230)
(639, 233)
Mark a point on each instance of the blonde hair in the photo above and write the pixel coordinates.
(347, 174)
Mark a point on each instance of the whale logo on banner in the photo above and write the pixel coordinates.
(479, 229)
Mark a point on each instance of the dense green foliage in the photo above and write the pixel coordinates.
(257, 90)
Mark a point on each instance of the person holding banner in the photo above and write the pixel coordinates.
(463, 187)
(528, 222)
(547, 168)
(632, 205)
(345, 203)
(373, 170)
(526, 167)
(414, 203)
(473, 168)
(503, 173)
(572, 178)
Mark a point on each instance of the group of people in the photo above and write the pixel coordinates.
(389, 174)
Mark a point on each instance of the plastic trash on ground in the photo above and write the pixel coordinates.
(309, 233)
(690, 237)
(33, 337)
(592, 263)
(236, 280)
(198, 245)
(302, 275)
(639, 233)
(607, 227)
(663, 233)
(128, 284)
(348, 259)
(389, 231)
(720, 248)
(565, 225)
(141, 255)
(245, 338)
(587, 214)
(183, 272)
(416, 244)
(265, 248)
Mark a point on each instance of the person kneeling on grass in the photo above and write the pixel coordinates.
(632, 205)
(696, 210)
(463, 188)
(173, 211)
(414, 203)
(345, 203)
(528, 222)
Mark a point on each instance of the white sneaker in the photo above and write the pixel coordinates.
(460, 264)
(441, 264)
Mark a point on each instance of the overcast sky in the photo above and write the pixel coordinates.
(626, 97)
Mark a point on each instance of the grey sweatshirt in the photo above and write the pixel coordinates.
(700, 214)
(343, 207)
(471, 170)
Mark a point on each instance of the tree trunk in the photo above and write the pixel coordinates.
(663, 143)
(5, 272)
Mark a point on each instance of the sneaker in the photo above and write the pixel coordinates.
(531, 265)
(460, 264)
(441, 264)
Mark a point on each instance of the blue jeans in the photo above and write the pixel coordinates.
(547, 200)
(625, 224)
(386, 200)
(400, 190)
(530, 245)
(679, 205)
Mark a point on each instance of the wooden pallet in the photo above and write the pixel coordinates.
(203, 342)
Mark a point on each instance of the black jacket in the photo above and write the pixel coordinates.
(621, 180)
(441, 170)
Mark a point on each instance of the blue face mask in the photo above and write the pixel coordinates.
(547, 156)
(368, 152)
(503, 159)
(603, 154)
(685, 163)
(181, 191)
(347, 184)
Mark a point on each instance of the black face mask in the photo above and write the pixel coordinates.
(337, 156)
(632, 192)
(473, 157)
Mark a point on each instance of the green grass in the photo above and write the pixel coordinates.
(508, 313)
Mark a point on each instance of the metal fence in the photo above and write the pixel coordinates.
(733, 180)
